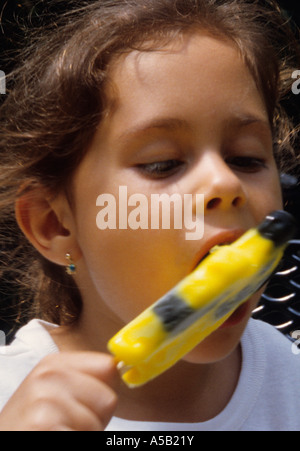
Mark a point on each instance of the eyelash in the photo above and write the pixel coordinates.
(167, 168)
(161, 169)
(246, 164)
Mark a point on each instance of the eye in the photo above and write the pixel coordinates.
(160, 169)
(246, 164)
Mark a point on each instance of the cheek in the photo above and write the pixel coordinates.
(130, 269)
(272, 192)
(126, 269)
(265, 196)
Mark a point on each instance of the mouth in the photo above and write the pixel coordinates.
(223, 238)
(237, 316)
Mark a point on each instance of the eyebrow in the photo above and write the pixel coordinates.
(169, 124)
(244, 121)
(174, 124)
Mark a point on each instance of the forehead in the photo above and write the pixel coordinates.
(193, 47)
(194, 72)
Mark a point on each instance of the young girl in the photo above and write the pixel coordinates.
(158, 96)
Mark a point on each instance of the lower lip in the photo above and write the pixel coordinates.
(237, 316)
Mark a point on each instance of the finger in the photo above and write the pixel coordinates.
(98, 397)
(56, 384)
(88, 391)
(80, 418)
(62, 429)
(63, 412)
(100, 365)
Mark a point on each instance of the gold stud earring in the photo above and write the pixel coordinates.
(71, 268)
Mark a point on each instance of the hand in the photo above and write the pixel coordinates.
(64, 392)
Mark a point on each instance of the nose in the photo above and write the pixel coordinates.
(223, 188)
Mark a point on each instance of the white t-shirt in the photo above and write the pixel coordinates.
(267, 396)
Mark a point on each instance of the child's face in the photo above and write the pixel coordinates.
(187, 119)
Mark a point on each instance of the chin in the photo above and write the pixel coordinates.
(219, 345)
(212, 353)
(226, 339)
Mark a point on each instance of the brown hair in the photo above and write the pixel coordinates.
(57, 98)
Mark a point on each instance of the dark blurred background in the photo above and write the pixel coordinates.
(280, 305)
(13, 13)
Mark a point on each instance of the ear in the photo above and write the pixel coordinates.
(48, 224)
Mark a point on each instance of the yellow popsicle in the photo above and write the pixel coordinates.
(201, 302)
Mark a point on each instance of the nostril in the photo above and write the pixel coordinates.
(213, 203)
(237, 201)
(216, 201)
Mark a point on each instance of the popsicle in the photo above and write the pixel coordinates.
(199, 304)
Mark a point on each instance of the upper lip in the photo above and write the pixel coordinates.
(222, 237)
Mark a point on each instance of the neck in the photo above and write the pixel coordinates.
(186, 393)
